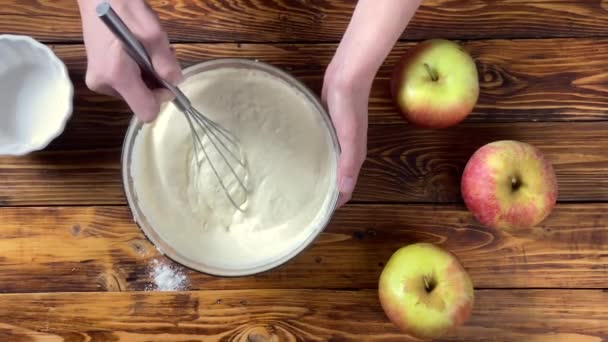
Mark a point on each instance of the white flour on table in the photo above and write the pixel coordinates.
(166, 278)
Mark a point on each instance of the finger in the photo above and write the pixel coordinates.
(166, 64)
(344, 198)
(326, 81)
(351, 128)
(104, 89)
(163, 95)
(97, 82)
(158, 47)
(141, 100)
(324, 94)
(349, 166)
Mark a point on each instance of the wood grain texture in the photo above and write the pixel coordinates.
(86, 249)
(322, 20)
(520, 80)
(67, 177)
(290, 315)
(408, 164)
(536, 80)
(550, 92)
(404, 164)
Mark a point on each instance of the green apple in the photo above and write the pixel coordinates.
(509, 185)
(436, 84)
(425, 291)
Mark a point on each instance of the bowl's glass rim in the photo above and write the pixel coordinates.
(135, 125)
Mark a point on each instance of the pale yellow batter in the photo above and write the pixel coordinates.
(291, 181)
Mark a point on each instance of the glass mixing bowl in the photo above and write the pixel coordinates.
(171, 251)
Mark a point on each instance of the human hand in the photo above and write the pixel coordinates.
(371, 33)
(347, 101)
(111, 71)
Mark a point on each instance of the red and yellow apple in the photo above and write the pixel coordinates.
(425, 291)
(436, 84)
(509, 185)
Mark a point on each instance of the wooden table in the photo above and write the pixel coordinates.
(74, 266)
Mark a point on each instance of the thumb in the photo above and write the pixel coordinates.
(134, 91)
(159, 48)
(349, 166)
(346, 186)
(350, 121)
(165, 62)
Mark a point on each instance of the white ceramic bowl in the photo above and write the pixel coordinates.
(35, 95)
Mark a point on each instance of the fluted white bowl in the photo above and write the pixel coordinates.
(36, 95)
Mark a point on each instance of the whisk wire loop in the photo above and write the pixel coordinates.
(193, 119)
(209, 130)
(196, 120)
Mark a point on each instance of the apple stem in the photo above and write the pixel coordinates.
(429, 285)
(433, 74)
(515, 184)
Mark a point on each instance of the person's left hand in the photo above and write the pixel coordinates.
(347, 99)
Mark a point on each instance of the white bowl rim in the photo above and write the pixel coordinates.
(64, 76)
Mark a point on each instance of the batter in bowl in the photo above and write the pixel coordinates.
(291, 180)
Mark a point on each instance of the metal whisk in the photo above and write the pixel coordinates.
(225, 145)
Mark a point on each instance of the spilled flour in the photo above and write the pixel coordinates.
(166, 278)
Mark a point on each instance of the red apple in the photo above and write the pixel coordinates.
(509, 185)
(425, 291)
(436, 84)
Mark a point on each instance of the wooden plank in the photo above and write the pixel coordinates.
(62, 177)
(86, 249)
(291, 20)
(407, 164)
(100, 122)
(290, 315)
(521, 80)
(547, 93)
(404, 164)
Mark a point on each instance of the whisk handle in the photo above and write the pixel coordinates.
(137, 51)
(132, 45)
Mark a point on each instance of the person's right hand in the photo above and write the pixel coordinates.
(111, 71)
